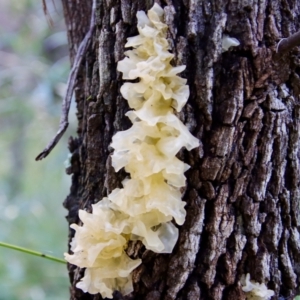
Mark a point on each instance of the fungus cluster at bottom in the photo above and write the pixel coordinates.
(255, 290)
(150, 200)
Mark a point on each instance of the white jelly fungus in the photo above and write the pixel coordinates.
(255, 290)
(228, 42)
(150, 198)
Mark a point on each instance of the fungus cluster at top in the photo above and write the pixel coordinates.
(150, 198)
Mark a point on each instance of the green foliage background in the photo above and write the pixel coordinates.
(34, 66)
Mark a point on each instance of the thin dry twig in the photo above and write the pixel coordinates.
(64, 119)
(288, 43)
(46, 12)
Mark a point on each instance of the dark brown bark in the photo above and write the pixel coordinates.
(243, 186)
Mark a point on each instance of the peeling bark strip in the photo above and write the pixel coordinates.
(243, 186)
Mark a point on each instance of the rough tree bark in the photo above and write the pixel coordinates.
(243, 186)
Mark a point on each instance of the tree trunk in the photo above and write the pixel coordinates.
(242, 188)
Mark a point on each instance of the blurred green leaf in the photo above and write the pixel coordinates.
(34, 65)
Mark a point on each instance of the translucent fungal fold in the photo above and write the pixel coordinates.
(149, 203)
(255, 290)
